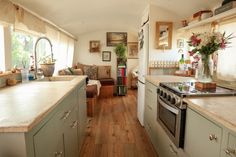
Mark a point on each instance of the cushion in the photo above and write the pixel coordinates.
(91, 72)
(107, 82)
(70, 71)
(104, 72)
(77, 72)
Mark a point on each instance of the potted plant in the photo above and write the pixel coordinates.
(120, 51)
(47, 65)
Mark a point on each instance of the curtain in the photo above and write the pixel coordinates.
(226, 68)
(26, 21)
(2, 55)
(7, 12)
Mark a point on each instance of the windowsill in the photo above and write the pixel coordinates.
(8, 73)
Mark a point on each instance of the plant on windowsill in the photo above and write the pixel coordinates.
(120, 51)
(47, 65)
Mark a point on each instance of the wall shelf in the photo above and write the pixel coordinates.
(228, 14)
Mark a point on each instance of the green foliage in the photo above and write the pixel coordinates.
(22, 49)
(120, 51)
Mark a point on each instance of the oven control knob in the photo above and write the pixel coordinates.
(168, 97)
(173, 101)
(158, 90)
(164, 95)
(161, 92)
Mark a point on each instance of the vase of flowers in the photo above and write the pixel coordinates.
(205, 44)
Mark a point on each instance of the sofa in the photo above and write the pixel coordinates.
(99, 84)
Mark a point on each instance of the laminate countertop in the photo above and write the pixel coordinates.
(23, 106)
(221, 110)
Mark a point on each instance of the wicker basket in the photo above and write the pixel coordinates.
(48, 69)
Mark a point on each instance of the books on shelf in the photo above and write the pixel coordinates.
(121, 81)
(122, 90)
(121, 72)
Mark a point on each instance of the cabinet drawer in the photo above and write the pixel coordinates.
(150, 89)
(201, 134)
(230, 151)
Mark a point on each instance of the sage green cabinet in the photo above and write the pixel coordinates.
(48, 142)
(59, 134)
(202, 137)
(229, 149)
(82, 114)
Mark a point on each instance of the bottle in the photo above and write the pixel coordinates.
(181, 62)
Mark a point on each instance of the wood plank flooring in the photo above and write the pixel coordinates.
(114, 131)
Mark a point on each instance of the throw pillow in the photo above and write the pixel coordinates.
(104, 72)
(91, 72)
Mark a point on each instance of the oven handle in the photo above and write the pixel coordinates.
(173, 110)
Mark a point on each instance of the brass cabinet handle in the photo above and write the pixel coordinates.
(230, 151)
(74, 124)
(212, 137)
(66, 115)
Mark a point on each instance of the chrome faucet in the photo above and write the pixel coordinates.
(35, 54)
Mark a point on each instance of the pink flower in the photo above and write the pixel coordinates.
(194, 40)
(191, 53)
(223, 44)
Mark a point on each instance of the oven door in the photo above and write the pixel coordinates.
(169, 117)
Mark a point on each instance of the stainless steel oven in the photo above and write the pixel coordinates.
(171, 110)
(172, 119)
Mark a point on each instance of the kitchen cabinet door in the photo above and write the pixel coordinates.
(48, 142)
(202, 137)
(82, 114)
(70, 135)
(230, 149)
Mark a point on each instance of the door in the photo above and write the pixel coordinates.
(141, 99)
(48, 142)
(82, 114)
(70, 134)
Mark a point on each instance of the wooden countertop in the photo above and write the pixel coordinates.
(23, 106)
(222, 110)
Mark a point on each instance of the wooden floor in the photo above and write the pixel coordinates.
(114, 131)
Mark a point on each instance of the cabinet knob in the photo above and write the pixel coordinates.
(58, 154)
(74, 124)
(66, 115)
(230, 151)
(172, 149)
(212, 137)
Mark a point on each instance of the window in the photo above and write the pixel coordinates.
(2, 56)
(226, 68)
(22, 49)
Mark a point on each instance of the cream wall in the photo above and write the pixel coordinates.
(83, 55)
(160, 14)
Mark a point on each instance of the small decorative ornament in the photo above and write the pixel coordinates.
(206, 44)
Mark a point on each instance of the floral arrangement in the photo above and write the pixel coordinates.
(207, 43)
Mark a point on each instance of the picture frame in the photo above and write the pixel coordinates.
(114, 38)
(180, 43)
(106, 56)
(94, 46)
(132, 48)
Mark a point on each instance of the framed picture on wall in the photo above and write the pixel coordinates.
(180, 43)
(132, 50)
(114, 38)
(94, 46)
(106, 56)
